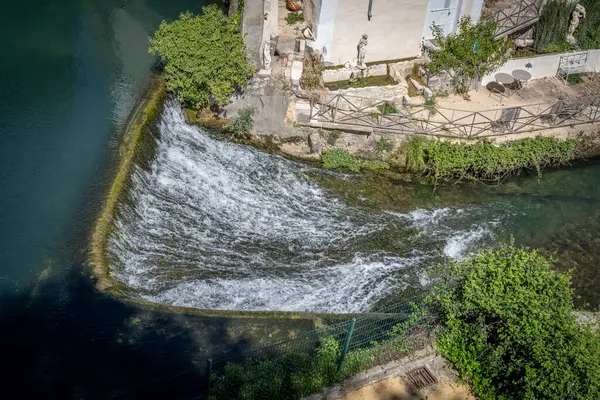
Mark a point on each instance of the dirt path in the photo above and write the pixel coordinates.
(397, 389)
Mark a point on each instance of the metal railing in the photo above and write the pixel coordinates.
(520, 15)
(387, 116)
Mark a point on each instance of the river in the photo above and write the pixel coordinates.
(247, 230)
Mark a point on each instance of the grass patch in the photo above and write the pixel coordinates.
(294, 17)
(574, 79)
(383, 80)
(340, 159)
(374, 165)
(138, 138)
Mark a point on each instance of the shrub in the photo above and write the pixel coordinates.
(387, 108)
(510, 329)
(312, 72)
(333, 136)
(484, 160)
(340, 159)
(574, 79)
(241, 125)
(415, 154)
(374, 165)
(293, 376)
(384, 144)
(293, 18)
(205, 58)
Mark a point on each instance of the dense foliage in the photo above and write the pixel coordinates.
(551, 29)
(291, 377)
(457, 57)
(510, 328)
(485, 160)
(205, 58)
(241, 125)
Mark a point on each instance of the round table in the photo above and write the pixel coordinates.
(505, 79)
(521, 75)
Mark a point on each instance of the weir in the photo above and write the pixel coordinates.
(205, 226)
(220, 226)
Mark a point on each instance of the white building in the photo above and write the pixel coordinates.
(395, 28)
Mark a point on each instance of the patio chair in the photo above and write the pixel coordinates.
(496, 88)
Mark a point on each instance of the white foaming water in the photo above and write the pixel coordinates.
(216, 225)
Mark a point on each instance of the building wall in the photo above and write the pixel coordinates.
(394, 30)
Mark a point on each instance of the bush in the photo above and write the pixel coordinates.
(205, 57)
(293, 18)
(312, 72)
(333, 136)
(574, 79)
(340, 159)
(510, 328)
(292, 377)
(374, 165)
(485, 160)
(241, 125)
(384, 144)
(415, 154)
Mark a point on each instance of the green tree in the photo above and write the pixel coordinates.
(510, 328)
(457, 56)
(205, 57)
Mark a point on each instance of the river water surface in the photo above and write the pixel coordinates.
(210, 224)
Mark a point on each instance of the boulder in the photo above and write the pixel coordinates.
(316, 143)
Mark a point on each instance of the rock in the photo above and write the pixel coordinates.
(406, 99)
(416, 84)
(302, 46)
(377, 70)
(302, 111)
(316, 143)
(297, 67)
(524, 42)
(335, 75)
(428, 93)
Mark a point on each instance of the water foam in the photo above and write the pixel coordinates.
(217, 225)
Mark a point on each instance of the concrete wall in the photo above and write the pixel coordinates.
(325, 17)
(394, 30)
(542, 66)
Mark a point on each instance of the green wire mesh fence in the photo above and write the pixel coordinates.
(336, 350)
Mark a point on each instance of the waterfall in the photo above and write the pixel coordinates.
(217, 225)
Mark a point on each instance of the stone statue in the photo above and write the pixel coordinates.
(576, 18)
(362, 52)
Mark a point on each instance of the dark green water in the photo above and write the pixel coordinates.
(70, 74)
